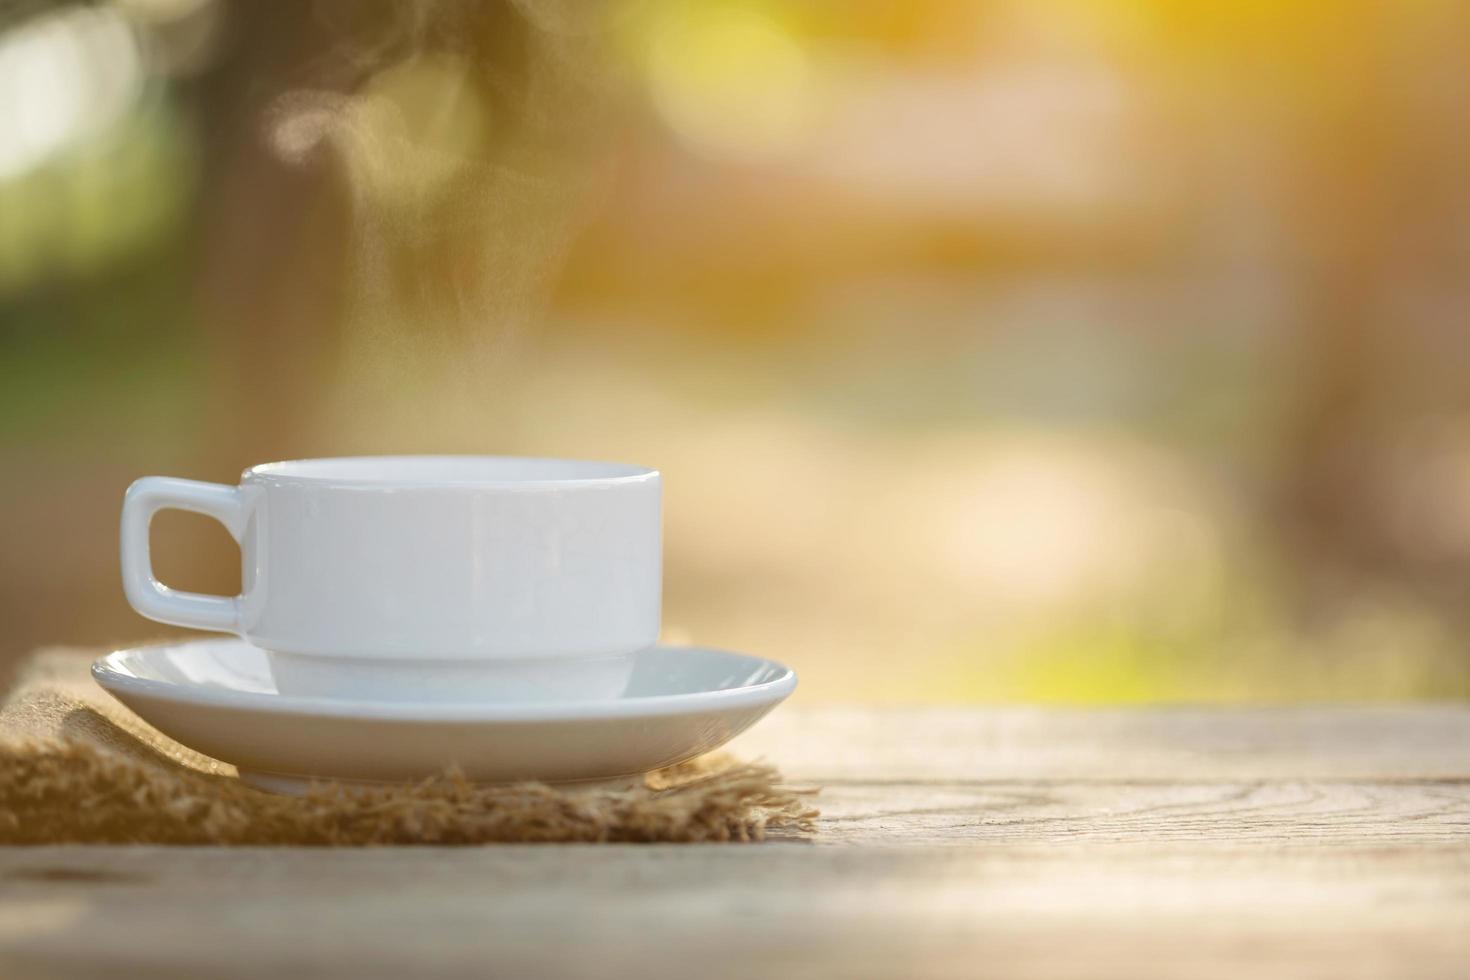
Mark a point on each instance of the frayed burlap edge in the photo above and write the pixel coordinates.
(97, 786)
(79, 793)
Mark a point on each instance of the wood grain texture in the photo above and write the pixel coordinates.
(956, 843)
(1390, 742)
(1286, 814)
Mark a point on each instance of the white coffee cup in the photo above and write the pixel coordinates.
(403, 576)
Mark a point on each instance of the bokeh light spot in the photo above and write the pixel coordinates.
(730, 80)
(64, 77)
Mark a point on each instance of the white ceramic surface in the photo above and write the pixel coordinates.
(421, 558)
(218, 696)
(559, 678)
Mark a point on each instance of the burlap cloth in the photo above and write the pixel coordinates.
(77, 767)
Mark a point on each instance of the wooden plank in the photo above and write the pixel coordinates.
(1283, 814)
(1133, 844)
(715, 912)
(1381, 742)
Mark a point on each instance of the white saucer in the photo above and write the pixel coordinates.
(218, 696)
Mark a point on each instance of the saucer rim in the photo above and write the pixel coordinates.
(113, 678)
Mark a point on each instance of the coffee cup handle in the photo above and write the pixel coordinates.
(152, 598)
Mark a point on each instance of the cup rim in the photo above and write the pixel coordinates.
(519, 472)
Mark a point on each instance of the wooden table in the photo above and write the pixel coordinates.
(1331, 842)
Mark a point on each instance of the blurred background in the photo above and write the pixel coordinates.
(1043, 350)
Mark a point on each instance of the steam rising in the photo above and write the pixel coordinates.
(462, 134)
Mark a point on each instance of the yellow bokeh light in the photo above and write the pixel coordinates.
(729, 80)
